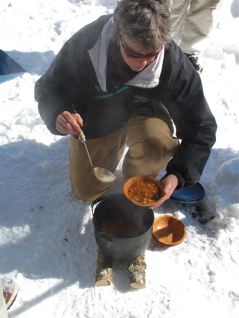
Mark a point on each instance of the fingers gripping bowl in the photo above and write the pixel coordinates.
(143, 190)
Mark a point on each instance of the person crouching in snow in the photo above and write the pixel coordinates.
(126, 83)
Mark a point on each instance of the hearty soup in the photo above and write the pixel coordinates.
(144, 192)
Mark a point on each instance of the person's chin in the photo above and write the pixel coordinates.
(137, 68)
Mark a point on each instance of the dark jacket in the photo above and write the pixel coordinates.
(179, 98)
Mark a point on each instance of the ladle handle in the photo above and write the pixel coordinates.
(82, 138)
(96, 201)
(82, 135)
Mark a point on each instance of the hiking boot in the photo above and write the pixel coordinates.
(193, 58)
(9, 291)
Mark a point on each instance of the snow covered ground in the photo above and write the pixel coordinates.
(46, 235)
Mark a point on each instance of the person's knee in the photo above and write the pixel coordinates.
(151, 145)
(150, 138)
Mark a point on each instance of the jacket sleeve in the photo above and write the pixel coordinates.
(51, 90)
(194, 121)
(57, 89)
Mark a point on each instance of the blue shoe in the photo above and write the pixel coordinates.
(189, 194)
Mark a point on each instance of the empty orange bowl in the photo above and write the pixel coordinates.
(168, 230)
(143, 190)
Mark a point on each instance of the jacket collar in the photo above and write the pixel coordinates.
(147, 78)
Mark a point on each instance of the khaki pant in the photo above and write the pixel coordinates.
(191, 22)
(150, 146)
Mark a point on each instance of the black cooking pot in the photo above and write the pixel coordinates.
(122, 229)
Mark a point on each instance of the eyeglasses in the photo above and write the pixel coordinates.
(131, 53)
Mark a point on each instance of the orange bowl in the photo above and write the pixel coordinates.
(143, 190)
(168, 230)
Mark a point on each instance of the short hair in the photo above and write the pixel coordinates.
(144, 21)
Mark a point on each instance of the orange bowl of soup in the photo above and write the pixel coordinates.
(143, 190)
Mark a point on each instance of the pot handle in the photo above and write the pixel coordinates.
(95, 203)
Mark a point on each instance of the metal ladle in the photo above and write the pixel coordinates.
(102, 174)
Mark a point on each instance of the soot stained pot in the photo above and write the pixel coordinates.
(122, 229)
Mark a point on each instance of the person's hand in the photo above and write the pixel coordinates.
(67, 123)
(169, 183)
